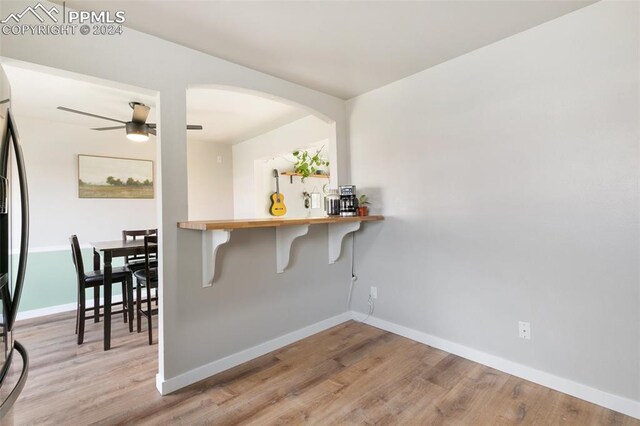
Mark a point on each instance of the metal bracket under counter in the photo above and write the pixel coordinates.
(217, 233)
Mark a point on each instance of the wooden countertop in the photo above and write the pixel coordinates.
(210, 225)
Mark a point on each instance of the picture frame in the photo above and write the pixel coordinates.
(115, 177)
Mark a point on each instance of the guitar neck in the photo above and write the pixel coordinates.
(277, 182)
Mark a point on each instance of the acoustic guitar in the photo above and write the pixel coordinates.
(277, 199)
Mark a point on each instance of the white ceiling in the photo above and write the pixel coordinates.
(343, 48)
(37, 94)
(227, 116)
(231, 117)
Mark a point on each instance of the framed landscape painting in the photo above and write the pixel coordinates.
(110, 177)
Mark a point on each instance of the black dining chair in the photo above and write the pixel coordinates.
(137, 262)
(147, 278)
(95, 279)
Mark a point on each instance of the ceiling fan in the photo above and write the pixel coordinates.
(137, 129)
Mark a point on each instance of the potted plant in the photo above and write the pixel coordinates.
(307, 164)
(363, 205)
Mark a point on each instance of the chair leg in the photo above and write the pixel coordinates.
(138, 305)
(130, 302)
(77, 316)
(149, 308)
(96, 304)
(78, 312)
(81, 315)
(125, 302)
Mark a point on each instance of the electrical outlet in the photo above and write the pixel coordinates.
(219, 159)
(373, 292)
(524, 330)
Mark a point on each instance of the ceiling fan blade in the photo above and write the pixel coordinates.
(189, 126)
(152, 131)
(108, 128)
(140, 113)
(89, 114)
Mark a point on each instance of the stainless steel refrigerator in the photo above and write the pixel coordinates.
(14, 241)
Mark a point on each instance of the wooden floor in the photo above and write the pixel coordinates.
(350, 374)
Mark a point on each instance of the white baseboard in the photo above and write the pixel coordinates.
(173, 384)
(614, 402)
(67, 307)
(35, 313)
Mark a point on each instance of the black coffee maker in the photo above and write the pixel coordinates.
(348, 201)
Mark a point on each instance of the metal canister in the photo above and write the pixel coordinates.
(332, 203)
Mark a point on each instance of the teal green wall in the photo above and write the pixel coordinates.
(51, 279)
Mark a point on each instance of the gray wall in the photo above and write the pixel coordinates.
(510, 180)
(249, 301)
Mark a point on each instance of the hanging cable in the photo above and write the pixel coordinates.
(354, 278)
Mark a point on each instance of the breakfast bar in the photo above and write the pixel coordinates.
(218, 232)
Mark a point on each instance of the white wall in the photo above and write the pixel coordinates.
(510, 187)
(307, 131)
(51, 154)
(192, 331)
(291, 187)
(210, 182)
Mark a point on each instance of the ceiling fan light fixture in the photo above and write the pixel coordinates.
(137, 132)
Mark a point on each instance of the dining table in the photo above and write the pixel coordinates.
(111, 250)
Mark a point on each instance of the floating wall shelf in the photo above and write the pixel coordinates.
(218, 232)
(291, 175)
